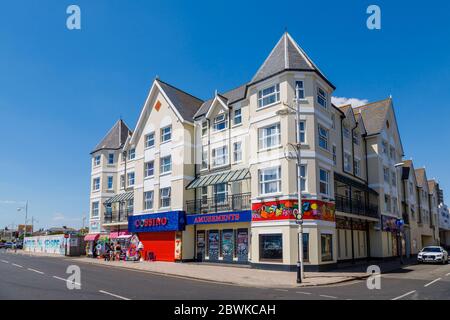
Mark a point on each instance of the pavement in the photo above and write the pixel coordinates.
(239, 275)
(46, 277)
(226, 273)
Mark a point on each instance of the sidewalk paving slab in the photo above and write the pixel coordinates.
(234, 275)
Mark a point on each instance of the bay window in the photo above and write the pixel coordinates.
(321, 97)
(270, 180)
(269, 96)
(324, 182)
(270, 136)
(323, 137)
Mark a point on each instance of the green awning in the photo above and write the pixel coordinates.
(218, 178)
(120, 197)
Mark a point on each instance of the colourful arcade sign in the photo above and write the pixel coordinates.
(157, 222)
(215, 218)
(288, 209)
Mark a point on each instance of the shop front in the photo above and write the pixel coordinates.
(91, 242)
(160, 235)
(221, 237)
(276, 238)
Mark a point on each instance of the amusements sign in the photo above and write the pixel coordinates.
(288, 209)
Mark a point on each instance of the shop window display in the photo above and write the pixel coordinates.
(271, 247)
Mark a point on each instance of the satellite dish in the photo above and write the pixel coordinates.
(290, 152)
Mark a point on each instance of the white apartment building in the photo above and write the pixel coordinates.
(210, 180)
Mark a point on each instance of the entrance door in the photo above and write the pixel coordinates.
(227, 245)
(242, 245)
(201, 241)
(213, 245)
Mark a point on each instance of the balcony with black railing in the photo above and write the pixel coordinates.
(356, 206)
(117, 216)
(219, 203)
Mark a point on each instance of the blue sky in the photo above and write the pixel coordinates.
(61, 90)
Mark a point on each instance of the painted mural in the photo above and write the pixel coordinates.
(46, 244)
(288, 209)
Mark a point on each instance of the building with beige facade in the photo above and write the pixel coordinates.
(213, 180)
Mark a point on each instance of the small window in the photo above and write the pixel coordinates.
(122, 182)
(220, 193)
(386, 174)
(149, 168)
(220, 122)
(302, 129)
(384, 147)
(269, 96)
(95, 209)
(220, 156)
(130, 206)
(326, 241)
(347, 162)
(357, 167)
(324, 177)
(150, 140)
(148, 200)
(306, 247)
(165, 197)
(321, 97)
(204, 158)
(299, 90)
(111, 158)
(132, 154)
(237, 116)
(394, 178)
(166, 164)
(269, 137)
(323, 137)
(204, 128)
(303, 177)
(166, 134)
(271, 247)
(237, 152)
(110, 183)
(97, 160)
(130, 179)
(334, 155)
(270, 180)
(333, 121)
(96, 184)
(392, 153)
(346, 131)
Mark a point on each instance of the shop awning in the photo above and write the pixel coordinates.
(91, 237)
(125, 236)
(120, 197)
(223, 177)
(118, 235)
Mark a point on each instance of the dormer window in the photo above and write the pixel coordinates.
(321, 97)
(269, 96)
(346, 132)
(220, 122)
(204, 128)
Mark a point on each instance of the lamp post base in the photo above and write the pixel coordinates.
(299, 272)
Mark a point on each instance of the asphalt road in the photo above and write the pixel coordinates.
(32, 277)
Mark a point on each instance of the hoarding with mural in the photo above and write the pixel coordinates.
(288, 209)
(46, 244)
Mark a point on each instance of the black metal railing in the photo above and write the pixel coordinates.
(356, 206)
(219, 203)
(117, 216)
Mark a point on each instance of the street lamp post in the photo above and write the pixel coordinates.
(26, 218)
(299, 217)
(399, 232)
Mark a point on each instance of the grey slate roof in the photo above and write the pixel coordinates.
(115, 138)
(186, 104)
(231, 96)
(286, 55)
(374, 115)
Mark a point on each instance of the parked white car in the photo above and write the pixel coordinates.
(433, 254)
